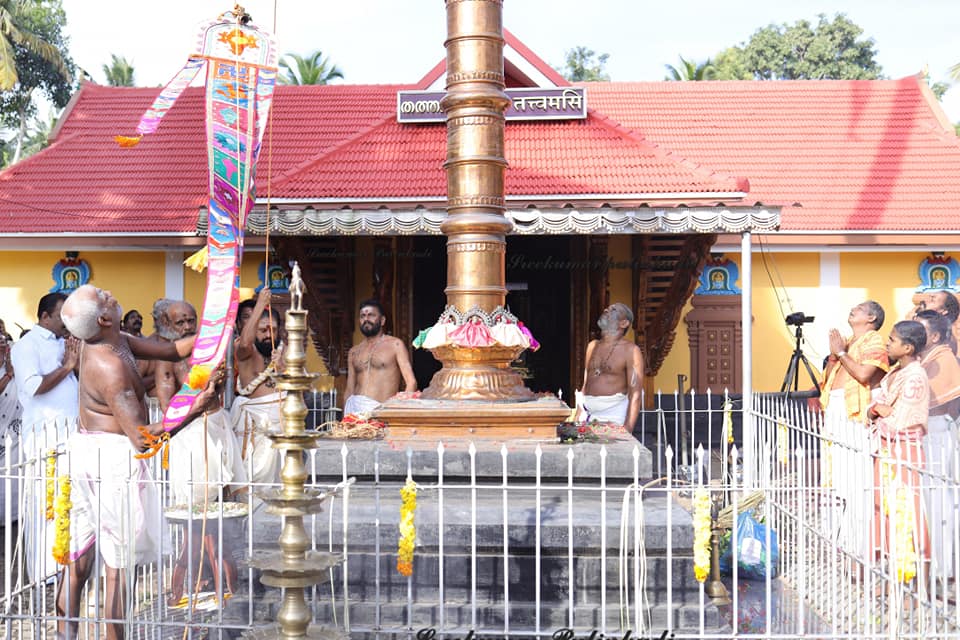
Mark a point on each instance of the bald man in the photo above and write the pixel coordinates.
(613, 377)
(114, 498)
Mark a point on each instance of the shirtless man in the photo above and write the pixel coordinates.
(256, 409)
(114, 498)
(376, 366)
(147, 368)
(203, 458)
(613, 378)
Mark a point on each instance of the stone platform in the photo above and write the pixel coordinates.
(623, 460)
(493, 542)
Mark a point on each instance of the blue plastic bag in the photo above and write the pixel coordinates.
(752, 549)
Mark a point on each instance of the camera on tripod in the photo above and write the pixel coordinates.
(792, 377)
(799, 318)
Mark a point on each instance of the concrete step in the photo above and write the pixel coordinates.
(484, 619)
(374, 514)
(624, 460)
(389, 586)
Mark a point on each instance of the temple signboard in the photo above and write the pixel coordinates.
(536, 103)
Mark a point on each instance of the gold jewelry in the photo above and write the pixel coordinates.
(125, 355)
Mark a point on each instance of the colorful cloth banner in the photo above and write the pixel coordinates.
(241, 73)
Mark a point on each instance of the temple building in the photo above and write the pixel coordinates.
(650, 193)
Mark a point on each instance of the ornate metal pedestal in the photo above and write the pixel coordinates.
(294, 567)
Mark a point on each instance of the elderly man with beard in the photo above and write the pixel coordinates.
(114, 498)
(204, 459)
(376, 366)
(256, 409)
(148, 368)
(613, 378)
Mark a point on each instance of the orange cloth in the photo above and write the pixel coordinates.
(943, 371)
(867, 349)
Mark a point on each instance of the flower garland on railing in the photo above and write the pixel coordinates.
(408, 530)
(51, 481)
(701, 534)
(903, 519)
(61, 541)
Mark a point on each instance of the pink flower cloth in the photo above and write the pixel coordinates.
(472, 334)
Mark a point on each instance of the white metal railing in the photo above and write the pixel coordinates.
(850, 508)
(519, 541)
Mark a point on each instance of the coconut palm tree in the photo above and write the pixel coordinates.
(119, 72)
(312, 69)
(13, 32)
(690, 71)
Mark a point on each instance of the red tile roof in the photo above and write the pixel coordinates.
(858, 155)
(85, 183)
(592, 156)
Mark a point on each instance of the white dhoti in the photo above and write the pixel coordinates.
(359, 405)
(204, 457)
(603, 408)
(115, 500)
(253, 419)
(940, 494)
(847, 469)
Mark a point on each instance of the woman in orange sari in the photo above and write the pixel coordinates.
(900, 421)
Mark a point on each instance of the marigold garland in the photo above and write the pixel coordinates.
(701, 534)
(728, 420)
(199, 376)
(903, 519)
(408, 531)
(51, 481)
(61, 541)
(154, 445)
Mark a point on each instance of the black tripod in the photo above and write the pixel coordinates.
(793, 369)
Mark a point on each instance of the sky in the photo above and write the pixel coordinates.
(388, 41)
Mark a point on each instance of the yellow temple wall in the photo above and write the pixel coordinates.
(136, 279)
(890, 278)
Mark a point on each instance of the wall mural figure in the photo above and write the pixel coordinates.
(69, 274)
(718, 278)
(938, 273)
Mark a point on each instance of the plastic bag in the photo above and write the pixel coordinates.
(752, 544)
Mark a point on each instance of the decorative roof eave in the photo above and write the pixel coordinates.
(526, 221)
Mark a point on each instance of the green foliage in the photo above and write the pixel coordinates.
(119, 72)
(730, 64)
(938, 89)
(35, 137)
(803, 51)
(690, 71)
(312, 69)
(30, 37)
(584, 65)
